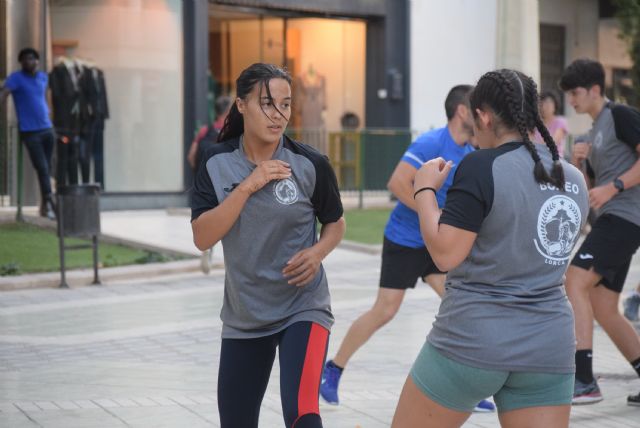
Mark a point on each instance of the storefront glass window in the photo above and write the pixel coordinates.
(326, 58)
(138, 46)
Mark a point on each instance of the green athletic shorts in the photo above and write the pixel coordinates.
(460, 387)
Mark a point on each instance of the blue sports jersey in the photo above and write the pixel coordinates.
(403, 227)
(28, 94)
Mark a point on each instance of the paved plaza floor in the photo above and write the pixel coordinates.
(144, 353)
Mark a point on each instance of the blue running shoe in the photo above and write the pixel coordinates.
(484, 406)
(631, 305)
(330, 381)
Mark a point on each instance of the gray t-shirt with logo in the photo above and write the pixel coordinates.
(505, 307)
(614, 138)
(277, 222)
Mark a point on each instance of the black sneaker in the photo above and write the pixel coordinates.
(586, 393)
(634, 400)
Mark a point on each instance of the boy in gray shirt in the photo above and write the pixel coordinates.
(598, 270)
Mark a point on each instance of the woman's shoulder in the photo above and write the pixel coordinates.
(305, 150)
(227, 146)
(486, 157)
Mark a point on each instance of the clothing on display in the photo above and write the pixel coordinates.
(309, 104)
(98, 112)
(79, 109)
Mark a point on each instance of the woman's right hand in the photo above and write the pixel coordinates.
(432, 174)
(265, 172)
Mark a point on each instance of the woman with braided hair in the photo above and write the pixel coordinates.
(505, 326)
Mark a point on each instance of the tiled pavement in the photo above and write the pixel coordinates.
(144, 354)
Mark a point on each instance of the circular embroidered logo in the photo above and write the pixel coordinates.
(598, 140)
(558, 228)
(286, 191)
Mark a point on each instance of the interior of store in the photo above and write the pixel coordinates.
(326, 58)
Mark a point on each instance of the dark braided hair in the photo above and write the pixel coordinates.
(256, 74)
(531, 97)
(513, 98)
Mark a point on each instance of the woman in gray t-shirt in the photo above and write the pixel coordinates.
(513, 215)
(261, 193)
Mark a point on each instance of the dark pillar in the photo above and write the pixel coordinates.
(387, 86)
(196, 65)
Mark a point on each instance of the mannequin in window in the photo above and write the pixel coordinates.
(311, 103)
(66, 103)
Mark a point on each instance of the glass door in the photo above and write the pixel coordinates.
(239, 39)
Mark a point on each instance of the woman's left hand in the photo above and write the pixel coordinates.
(303, 267)
(432, 174)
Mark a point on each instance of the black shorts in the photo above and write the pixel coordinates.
(402, 266)
(609, 248)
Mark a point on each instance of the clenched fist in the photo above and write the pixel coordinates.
(265, 172)
(580, 153)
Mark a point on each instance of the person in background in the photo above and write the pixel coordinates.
(631, 305)
(28, 88)
(207, 136)
(557, 125)
(598, 270)
(405, 259)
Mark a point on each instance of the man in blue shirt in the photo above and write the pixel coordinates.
(28, 89)
(404, 255)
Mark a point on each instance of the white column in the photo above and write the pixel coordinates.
(518, 38)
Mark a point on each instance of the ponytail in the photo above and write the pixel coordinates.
(233, 125)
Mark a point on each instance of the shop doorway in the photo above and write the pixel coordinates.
(326, 58)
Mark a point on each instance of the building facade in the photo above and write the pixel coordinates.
(165, 62)
(388, 63)
(457, 41)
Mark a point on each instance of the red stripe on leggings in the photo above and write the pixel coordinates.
(312, 371)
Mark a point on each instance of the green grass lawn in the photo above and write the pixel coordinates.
(367, 225)
(25, 248)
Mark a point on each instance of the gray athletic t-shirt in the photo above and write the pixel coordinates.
(276, 222)
(614, 137)
(505, 307)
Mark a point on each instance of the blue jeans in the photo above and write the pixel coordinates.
(39, 144)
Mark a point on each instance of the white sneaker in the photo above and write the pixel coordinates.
(205, 263)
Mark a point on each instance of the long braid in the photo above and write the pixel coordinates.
(519, 109)
(557, 172)
(516, 115)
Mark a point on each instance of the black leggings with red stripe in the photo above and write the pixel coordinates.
(245, 368)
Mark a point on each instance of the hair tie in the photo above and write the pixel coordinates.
(435, 192)
(521, 89)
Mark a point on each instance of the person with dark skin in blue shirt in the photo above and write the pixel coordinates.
(28, 88)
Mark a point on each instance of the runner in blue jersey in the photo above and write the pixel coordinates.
(405, 258)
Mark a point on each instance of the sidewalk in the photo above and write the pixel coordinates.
(142, 353)
(165, 231)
